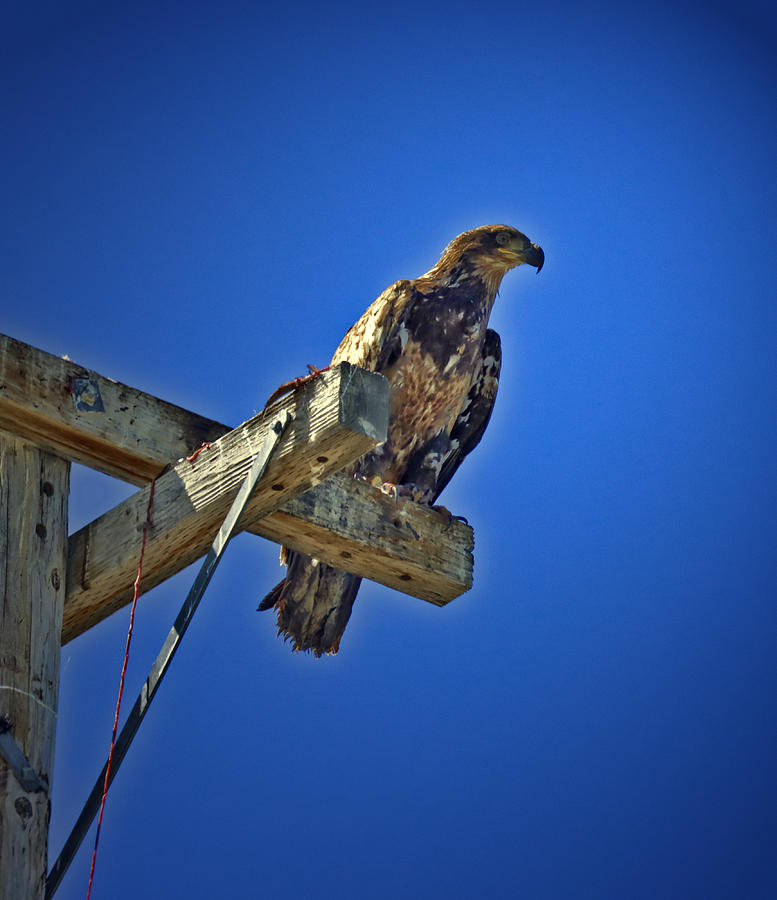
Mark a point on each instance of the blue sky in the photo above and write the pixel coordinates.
(200, 200)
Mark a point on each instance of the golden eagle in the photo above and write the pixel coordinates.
(429, 337)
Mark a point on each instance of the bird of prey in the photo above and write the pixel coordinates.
(430, 339)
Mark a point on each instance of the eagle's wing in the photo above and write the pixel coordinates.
(375, 338)
(476, 411)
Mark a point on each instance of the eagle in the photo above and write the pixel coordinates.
(430, 338)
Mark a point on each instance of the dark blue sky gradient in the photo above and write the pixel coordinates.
(199, 200)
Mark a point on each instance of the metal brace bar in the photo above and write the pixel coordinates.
(17, 761)
(166, 654)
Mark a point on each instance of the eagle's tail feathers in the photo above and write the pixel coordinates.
(314, 604)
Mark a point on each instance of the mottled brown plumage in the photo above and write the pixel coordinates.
(429, 337)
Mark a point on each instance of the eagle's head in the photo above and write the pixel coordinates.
(488, 252)
(497, 245)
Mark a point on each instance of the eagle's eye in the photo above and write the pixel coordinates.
(503, 238)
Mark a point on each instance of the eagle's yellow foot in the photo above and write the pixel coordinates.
(295, 383)
(414, 492)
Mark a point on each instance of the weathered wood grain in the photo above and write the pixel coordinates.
(337, 418)
(137, 435)
(33, 530)
(127, 433)
(354, 526)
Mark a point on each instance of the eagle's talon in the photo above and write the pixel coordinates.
(409, 491)
(391, 489)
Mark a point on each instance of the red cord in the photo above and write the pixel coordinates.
(205, 446)
(146, 527)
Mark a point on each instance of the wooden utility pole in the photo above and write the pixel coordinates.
(34, 488)
(53, 588)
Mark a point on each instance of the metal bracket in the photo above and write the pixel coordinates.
(86, 395)
(17, 761)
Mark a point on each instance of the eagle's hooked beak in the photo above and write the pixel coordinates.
(521, 250)
(533, 255)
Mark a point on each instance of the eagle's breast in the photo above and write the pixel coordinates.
(441, 343)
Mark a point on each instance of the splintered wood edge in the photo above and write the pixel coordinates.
(192, 499)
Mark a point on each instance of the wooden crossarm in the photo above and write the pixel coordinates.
(337, 418)
(88, 418)
(119, 430)
(356, 527)
(343, 522)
